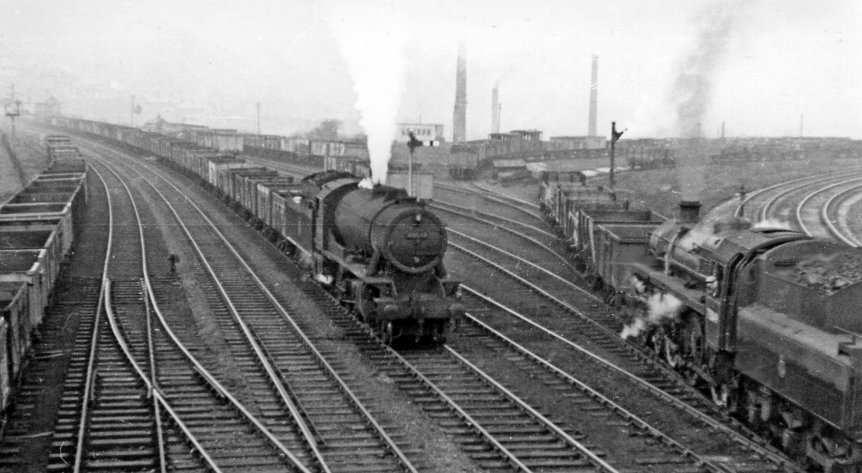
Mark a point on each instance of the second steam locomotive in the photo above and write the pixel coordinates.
(765, 319)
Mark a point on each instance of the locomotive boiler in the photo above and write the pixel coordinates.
(381, 252)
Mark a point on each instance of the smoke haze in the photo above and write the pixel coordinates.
(211, 62)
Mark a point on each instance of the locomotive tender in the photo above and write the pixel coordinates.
(766, 320)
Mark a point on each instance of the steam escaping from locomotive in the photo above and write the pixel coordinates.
(692, 94)
(371, 36)
(772, 223)
(366, 183)
(661, 307)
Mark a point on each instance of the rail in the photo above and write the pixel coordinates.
(282, 311)
(588, 390)
(217, 387)
(824, 217)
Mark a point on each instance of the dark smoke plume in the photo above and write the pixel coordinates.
(692, 93)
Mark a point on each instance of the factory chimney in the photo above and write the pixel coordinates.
(594, 92)
(459, 120)
(495, 109)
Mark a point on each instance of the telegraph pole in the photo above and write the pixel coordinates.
(258, 119)
(13, 113)
(615, 136)
(132, 111)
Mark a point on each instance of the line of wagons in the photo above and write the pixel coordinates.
(200, 139)
(38, 226)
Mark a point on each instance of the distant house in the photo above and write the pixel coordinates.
(50, 107)
(423, 131)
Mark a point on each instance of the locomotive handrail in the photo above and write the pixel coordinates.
(855, 335)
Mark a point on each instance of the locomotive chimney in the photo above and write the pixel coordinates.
(689, 211)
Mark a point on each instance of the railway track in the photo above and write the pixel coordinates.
(416, 373)
(573, 456)
(483, 200)
(757, 204)
(509, 457)
(335, 420)
(593, 353)
(117, 421)
(598, 336)
(838, 215)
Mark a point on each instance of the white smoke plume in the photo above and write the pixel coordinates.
(771, 223)
(692, 93)
(372, 35)
(366, 183)
(662, 307)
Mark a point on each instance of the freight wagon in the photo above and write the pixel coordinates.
(37, 230)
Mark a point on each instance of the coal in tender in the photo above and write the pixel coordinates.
(831, 274)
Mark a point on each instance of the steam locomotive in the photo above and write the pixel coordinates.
(765, 320)
(379, 250)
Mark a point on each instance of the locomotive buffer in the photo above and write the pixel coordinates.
(412, 144)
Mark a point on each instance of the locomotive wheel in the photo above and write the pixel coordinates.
(671, 353)
(694, 341)
(386, 333)
(724, 396)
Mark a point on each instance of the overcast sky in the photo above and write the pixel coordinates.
(760, 64)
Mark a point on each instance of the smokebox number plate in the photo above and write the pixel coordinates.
(417, 235)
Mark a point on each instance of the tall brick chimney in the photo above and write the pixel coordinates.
(495, 109)
(459, 119)
(594, 97)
